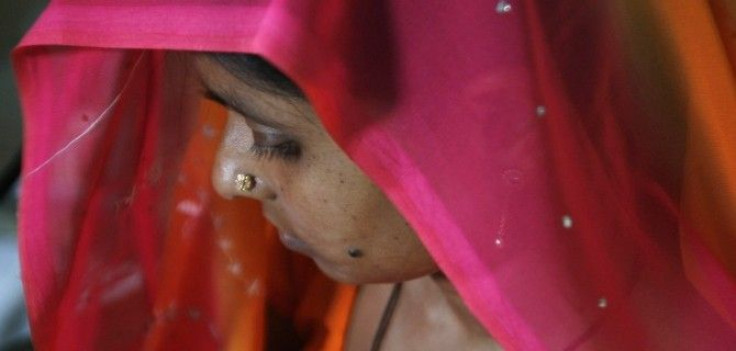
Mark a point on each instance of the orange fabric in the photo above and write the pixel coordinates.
(250, 270)
(700, 34)
(327, 318)
(187, 265)
(338, 317)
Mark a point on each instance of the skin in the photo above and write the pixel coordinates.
(322, 204)
(430, 315)
(324, 207)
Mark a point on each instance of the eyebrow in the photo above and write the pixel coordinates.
(247, 111)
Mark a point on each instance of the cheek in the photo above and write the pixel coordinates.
(325, 200)
(340, 209)
(334, 207)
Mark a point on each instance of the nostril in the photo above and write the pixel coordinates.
(255, 187)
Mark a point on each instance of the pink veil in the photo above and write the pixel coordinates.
(532, 145)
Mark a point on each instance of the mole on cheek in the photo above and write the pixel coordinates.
(355, 253)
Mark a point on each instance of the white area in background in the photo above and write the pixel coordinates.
(14, 332)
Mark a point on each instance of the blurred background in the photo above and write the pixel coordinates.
(15, 18)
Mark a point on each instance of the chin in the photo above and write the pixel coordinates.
(340, 273)
(359, 274)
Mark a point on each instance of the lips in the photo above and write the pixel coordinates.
(287, 237)
(294, 243)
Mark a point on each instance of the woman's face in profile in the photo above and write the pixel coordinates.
(321, 203)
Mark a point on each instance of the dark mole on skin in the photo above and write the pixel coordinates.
(355, 253)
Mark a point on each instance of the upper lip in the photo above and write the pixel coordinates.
(279, 224)
(274, 220)
(288, 237)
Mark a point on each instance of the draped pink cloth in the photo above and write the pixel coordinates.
(517, 137)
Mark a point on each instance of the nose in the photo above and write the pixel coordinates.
(236, 173)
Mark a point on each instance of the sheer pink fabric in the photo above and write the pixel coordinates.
(516, 137)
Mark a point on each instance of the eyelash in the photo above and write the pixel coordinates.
(289, 150)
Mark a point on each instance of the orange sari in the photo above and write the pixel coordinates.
(252, 272)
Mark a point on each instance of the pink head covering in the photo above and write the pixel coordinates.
(514, 136)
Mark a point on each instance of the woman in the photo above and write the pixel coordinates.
(327, 209)
(522, 174)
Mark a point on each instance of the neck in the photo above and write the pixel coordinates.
(429, 313)
(446, 295)
(431, 310)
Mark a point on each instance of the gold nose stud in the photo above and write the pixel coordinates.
(246, 182)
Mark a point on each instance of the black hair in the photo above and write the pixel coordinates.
(256, 71)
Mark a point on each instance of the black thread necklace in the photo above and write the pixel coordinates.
(388, 312)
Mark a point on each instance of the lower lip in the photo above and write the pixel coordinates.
(293, 243)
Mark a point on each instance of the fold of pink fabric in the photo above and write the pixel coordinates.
(512, 135)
